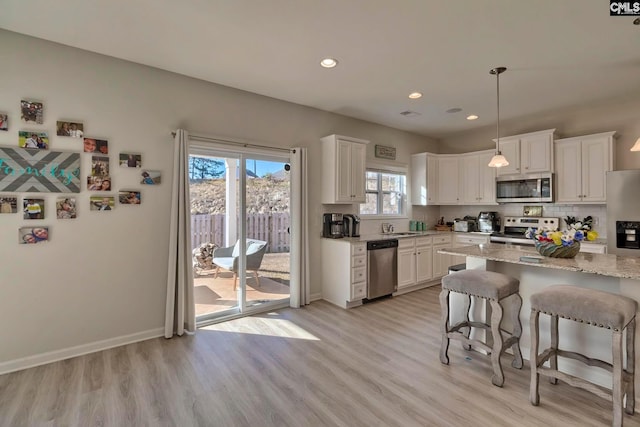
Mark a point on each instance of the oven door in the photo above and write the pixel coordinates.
(536, 188)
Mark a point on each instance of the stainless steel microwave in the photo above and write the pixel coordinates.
(535, 188)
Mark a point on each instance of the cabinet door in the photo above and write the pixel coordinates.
(595, 164)
(419, 189)
(448, 180)
(536, 153)
(441, 262)
(487, 195)
(424, 263)
(358, 169)
(343, 172)
(470, 171)
(432, 179)
(510, 148)
(406, 267)
(568, 171)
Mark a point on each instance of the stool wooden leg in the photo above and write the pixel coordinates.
(496, 318)
(444, 325)
(631, 368)
(517, 331)
(553, 359)
(534, 395)
(466, 310)
(617, 386)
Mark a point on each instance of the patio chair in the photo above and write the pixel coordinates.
(227, 258)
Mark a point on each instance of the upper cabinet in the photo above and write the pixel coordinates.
(449, 179)
(527, 153)
(424, 179)
(343, 169)
(478, 180)
(581, 166)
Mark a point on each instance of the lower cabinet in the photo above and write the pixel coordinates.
(593, 248)
(344, 283)
(415, 263)
(466, 239)
(441, 262)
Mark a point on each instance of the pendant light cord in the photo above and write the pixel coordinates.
(498, 106)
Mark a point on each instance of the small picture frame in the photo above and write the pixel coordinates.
(99, 165)
(32, 111)
(72, 129)
(99, 183)
(66, 208)
(151, 177)
(101, 203)
(130, 160)
(33, 208)
(33, 140)
(384, 152)
(4, 121)
(532, 211)
(95, 145)
(8, 204)
(129, 197)
(31, 235)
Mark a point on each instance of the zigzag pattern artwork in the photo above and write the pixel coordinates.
(39, 171)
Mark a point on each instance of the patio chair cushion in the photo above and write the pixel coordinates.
(224, 262)
(252, 247)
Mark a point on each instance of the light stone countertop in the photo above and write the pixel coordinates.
(388, 236)
(626, 267)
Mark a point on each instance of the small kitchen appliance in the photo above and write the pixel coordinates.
(351, 225)
(333, 225)
(536, 188)
(466, 224)
(488, 222)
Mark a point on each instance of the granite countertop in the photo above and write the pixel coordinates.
(390, 236)
(626, 267)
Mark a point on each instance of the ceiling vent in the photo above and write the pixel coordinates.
(409, 113)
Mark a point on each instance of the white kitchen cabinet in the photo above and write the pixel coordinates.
(581, 167)
(593, 248)
(343, 169)
(448, 179)
(441, 262)
(527, 153)
(424, 179)
(478, 180)
(415, 261)
(344, 272)
(467, 239)
(424, 259)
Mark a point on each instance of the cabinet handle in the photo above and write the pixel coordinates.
(527, 167)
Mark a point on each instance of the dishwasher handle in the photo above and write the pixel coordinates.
(382, 244)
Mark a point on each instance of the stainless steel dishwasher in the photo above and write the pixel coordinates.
(382, 262)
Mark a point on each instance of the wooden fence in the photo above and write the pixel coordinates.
(273, 228)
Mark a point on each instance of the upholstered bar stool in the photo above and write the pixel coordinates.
(493, 287)
(597, 308)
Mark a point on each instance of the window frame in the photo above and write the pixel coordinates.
(391, 170)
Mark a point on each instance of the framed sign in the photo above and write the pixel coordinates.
(385, 152)
(39, 171)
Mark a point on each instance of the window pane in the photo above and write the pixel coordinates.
(391, 182)
(391, 204)
(371, 205)
(372, 181)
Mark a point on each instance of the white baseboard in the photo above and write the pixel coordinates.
(315, 297)
(67, 353)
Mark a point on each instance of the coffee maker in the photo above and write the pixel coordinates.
(488, 222)
(333, 225)
(351, 225)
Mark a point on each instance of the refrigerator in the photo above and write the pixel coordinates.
(623, 212)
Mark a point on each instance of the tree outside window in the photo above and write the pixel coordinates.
(385, 193)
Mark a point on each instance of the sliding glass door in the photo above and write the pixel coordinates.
(240, 228)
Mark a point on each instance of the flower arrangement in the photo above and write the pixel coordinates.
(560, 238)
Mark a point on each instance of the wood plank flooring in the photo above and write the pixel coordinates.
(375, 365)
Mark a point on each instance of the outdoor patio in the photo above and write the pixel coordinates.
(213, 295)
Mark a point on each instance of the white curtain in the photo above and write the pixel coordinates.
(180, 312)
(300, 282)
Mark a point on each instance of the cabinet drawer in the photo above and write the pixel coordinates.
(423, 241)
(359, 274)
(406, 243)
(359, 249)
(471, 240)
(441, 239)
(358, 291)
(359, 261)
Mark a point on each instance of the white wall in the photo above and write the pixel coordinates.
(103, 275)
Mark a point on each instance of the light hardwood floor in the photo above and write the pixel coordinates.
(375, 365)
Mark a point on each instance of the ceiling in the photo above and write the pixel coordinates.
(559, 54)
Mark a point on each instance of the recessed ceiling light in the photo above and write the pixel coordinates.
(472, 117)
(415, 95)
(328, 62)
(454, 110)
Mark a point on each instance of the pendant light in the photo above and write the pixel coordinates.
(636, 146)
(498, 160)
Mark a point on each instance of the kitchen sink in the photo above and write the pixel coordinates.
(404, 233)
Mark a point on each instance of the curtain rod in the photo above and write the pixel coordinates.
(242, 144)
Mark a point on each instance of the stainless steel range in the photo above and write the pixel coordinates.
(514, 228)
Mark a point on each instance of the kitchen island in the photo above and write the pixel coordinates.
(606, 272)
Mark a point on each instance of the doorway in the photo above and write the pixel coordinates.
(240, 224)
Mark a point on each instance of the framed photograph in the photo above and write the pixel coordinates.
(35, 140)
(101, 203)
(151, 177)
(66, 208)
(33, 208)
(4, 121)
(99, 166)
(8, 204)
(72, 129)
(129, 197)
(99, 183)
(32, 112)
(94, 145)
(30, 235)
(130, 160)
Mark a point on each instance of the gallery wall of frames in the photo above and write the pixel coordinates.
(32, 172)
